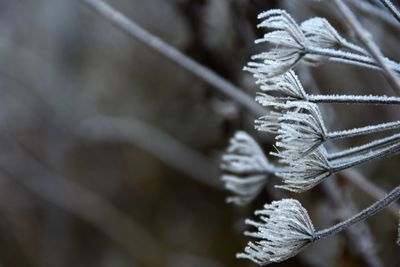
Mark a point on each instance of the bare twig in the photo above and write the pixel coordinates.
(365, 37)
(171, 53)
(359, 237)
(373, 191)
(392, 8)
(367, 9)
(137, 32)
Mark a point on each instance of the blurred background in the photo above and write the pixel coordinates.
(109, 152)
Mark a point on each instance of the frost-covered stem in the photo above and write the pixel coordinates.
(366, 38)
(368, 9)
(354, 99)
(351, 58)
(374, 144)
(368, 212)
(389, 5)
(171, 53)
(363, 130)
(342, 164)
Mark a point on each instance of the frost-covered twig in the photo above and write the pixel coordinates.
(365, 37)
(304, 173)
(171, 53)
(398, 231)
(392, 8)
(360, 238)
(368, 9)
(285, 228)
(368, 146)
(287, 87)
(368, 212)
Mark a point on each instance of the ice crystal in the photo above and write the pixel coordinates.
(284, 229)
(246, 168)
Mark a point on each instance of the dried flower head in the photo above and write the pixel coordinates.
(398, 231)
(320, 33)
(246, 168)
(286, 42)
(286, 87)
(304, 173)
(284, 230)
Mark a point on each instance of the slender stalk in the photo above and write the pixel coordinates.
(368, 9)
(365, 37)
(354, 99)
(363, 130)
(342, 164)
(389, 5)
(352, 58)
(368, 212)
(371, 145)
(171, 53)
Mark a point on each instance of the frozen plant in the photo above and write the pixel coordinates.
(284, 227)
(246, 168)
(289, 45)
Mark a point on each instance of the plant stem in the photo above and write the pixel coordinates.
(363, 130)
(352, 58)
(389, 5)
(371, 46)
(376, 207)
(354, 99)
(357, 149)
(173, 54)
(342, 164)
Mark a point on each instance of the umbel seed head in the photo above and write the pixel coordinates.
(304, 173)
(246, 169)
(284, 229)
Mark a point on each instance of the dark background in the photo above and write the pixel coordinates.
(109, 153)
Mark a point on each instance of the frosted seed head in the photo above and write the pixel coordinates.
(286, 44)
(283, 88)
(284, 228)
(301, 131)
(246, 168)
(304, 173)
(320, 33)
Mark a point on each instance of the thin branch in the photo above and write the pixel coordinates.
(392, 8)
(365, 37)
(360, 239)
(171, 53)
(367, 9)
(108, 12)
(366, 213)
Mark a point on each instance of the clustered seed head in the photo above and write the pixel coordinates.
(304, 173)
(246, 168)
(286, 42)
(280, 89)
(284, 229)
